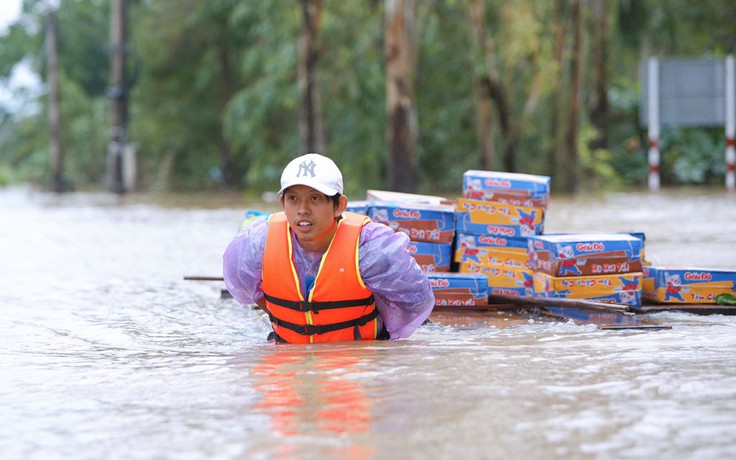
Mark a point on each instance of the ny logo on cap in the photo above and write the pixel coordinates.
(306, 167)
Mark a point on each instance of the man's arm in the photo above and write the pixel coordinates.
(242, 263)
(403, 294)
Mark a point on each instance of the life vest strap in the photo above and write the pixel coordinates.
(312, 329)
(304, 306)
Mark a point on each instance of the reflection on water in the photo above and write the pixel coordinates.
(108, 353)
(316, 392)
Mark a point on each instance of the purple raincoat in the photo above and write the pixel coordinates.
(403, 296)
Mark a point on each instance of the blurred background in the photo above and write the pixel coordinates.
(404, 94)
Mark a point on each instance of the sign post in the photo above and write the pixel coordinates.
(688, 92)
(653, 104)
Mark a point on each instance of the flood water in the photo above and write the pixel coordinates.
(107, 352)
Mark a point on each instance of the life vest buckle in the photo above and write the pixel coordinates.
(305, 306)
(311, 329)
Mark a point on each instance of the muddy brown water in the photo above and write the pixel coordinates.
(108, 353)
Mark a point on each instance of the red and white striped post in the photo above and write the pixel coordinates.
(653, 106)
(730, 124)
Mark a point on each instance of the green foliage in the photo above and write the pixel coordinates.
(26, 151)
(80, 24)
(692, 156)
(218, 77)
(628, 149)
(354, 98)
(597, 166)
(5, 175)
(447, 142)
(83, 142)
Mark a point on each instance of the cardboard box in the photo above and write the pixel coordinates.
(431, 257)
(426, 223)
(620, 288)
(647, 281)
(498, 219)
(493, 290)
(459, 288)
(401, 197)
(491, 250)
(359, 206)
(582, 254)
(508, 188)
(688, 285)
(516, 278)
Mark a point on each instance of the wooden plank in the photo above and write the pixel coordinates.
(698, 309)
(467, 308)
(203, 278)
(507, 303)
(604, 320)
(478, 319)
(528, 301)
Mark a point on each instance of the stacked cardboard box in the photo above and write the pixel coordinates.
(428, 221)
(687, 285)
(605, 267)
(459, 289)
(494, 218)
(421, 222)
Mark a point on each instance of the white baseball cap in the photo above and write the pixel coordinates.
(313, 170)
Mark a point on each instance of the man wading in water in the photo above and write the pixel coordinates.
(323, 274)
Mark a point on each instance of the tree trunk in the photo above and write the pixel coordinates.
(504, 120)
(481, 86)
(118, 94)
(556, 105)
(599, 96)
(56, 153)
(311, 132)
(489, 87)
(572, 163)
(400, 49)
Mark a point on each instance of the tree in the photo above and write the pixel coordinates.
(311, 132)
(515, 88)
(190, 76)
(485, 76)
(56, 153)
(572, 163)
(599, 88)
(400, 73)
(217, 99)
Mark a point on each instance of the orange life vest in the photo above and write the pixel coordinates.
(339, 306)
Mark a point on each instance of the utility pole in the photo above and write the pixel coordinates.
(56, 154)
(118, 94)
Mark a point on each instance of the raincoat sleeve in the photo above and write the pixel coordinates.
(242, 262)
(403, 296)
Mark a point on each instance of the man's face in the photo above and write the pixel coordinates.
(312, 216)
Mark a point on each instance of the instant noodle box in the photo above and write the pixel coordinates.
(508, 188)
(624, 288)
(498, 219)
(401, 197)
(431, 257)
(359, 206)
(491, 250)
(688, 285)
(647, 281)
(579, 254)
(515, 278)
(508, 291)
(459, 289)
(421, 222)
